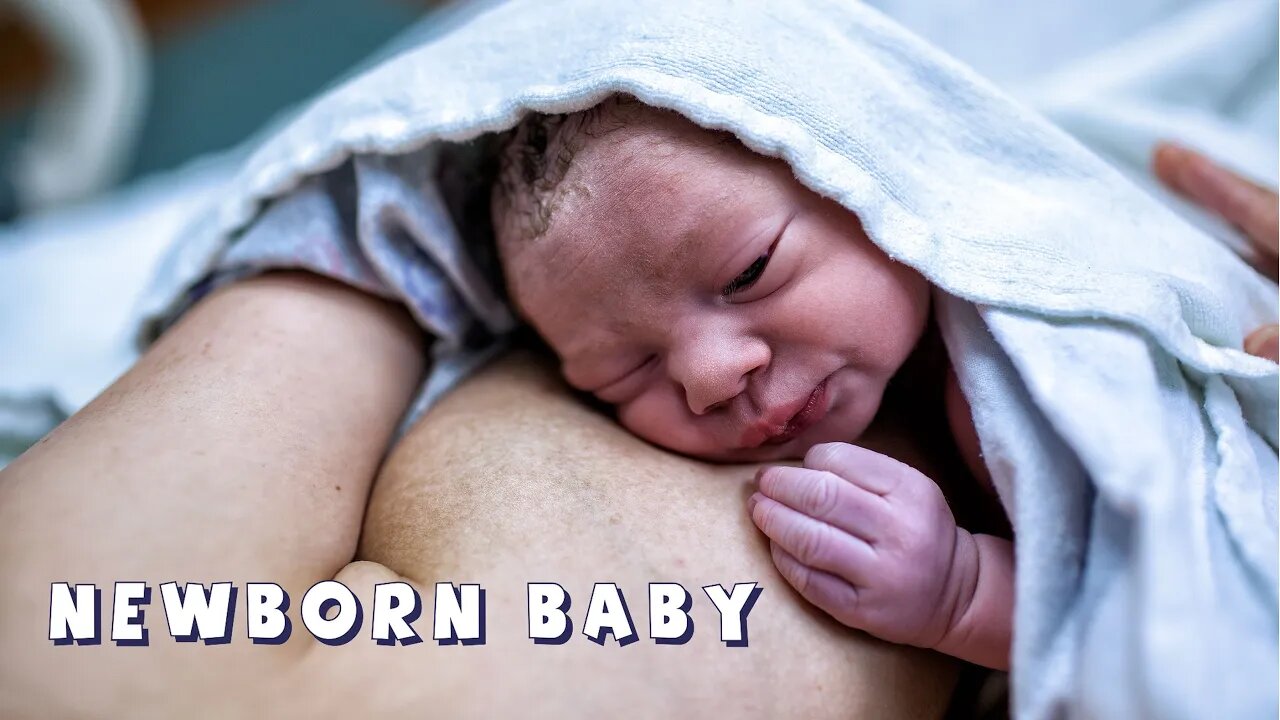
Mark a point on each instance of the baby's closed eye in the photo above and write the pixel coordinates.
(737, 289)
(748, 276)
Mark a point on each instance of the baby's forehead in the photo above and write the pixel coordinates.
(650, 206)
(658, 173)
(627, 215)
(638, 163)
(621, 248)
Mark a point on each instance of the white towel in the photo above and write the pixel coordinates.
(1096, 334)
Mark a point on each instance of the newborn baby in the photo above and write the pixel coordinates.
(730, 313)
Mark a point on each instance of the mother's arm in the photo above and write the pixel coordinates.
(239, 448)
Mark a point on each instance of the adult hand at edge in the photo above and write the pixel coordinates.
(1254, 209)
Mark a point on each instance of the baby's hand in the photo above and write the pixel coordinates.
(869, 540)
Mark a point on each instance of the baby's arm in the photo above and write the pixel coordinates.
(982, 632)
(873, 542)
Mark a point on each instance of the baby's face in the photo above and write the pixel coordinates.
(726, 311)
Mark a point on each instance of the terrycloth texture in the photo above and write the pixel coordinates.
(1120, 76)
(1096, 334)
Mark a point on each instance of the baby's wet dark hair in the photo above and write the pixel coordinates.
(537, 154)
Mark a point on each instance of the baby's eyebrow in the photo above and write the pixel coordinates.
(677, 258)
(706, 230)
(679, 255)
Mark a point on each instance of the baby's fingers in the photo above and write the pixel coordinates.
(865, 468)
(830, 593)
(814, 543)
(827, 497)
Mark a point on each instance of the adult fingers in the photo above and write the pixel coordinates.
(1248, 206)
(1263, 343)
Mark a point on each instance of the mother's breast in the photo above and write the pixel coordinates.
(511, 480)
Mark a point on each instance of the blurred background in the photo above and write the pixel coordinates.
(191, 76)
(119, 121)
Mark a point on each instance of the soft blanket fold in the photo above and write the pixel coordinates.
(1096, 334)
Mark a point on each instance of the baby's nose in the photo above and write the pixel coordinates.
(714, 373)
(705, 396)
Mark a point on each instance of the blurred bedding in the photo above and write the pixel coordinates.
(71, 280)
(69, 285)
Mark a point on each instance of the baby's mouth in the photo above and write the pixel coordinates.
(783, 424)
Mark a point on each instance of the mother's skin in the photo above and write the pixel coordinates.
(242, 447)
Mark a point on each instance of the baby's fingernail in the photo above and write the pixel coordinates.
(752, 502)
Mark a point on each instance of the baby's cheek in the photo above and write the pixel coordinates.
(664, 421)
(648, 418)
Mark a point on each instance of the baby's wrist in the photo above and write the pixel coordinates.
(980, 593)
(962, 583)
